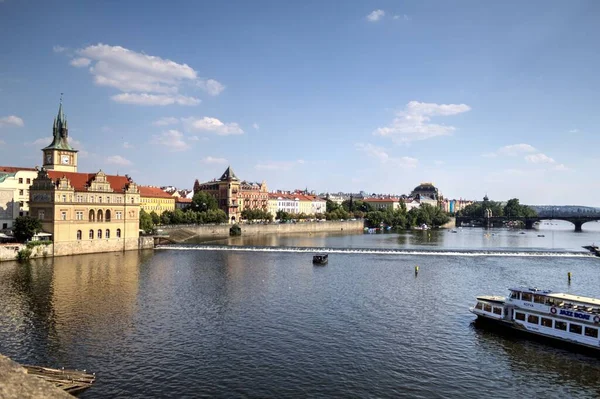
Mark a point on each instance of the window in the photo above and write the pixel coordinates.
(591, 332)
(575, 328)
(119, 215)
(79, 234)
(546, 322)
(20, 192)
(21, 203)
(80, 198)
(99, 198)
(63, 215)
(64, 198)
(520, 316)
(498, 311)
(99, 233)
(91, 198)
(91, 234)
(560, 325)
(132, 200)
(20, 180)
(100, 215)
(79, 215)
(479, 306)
(533, 319)
(539, 299)
(108, 199)
(92, 216)
(41, 214)
(487, 308)
(107, 218)
(107, 235)
(526, 297)
(118, 233)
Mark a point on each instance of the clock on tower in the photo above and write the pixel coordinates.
(65, 159)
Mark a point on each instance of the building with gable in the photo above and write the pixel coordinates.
(14, 194)
(84, 212)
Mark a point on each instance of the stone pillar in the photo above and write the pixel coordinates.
(578, 224)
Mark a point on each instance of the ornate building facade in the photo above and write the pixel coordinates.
(84, 212)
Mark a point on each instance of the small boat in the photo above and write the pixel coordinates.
(541, 235)
(321, 259)
(71, 381)
(562, 318)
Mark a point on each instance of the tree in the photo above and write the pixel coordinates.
(146, 221)
(155, 217)
(331, 206)
(165, 217)
(283, 216)
(25, 227)
(514, 209)
(202, 202)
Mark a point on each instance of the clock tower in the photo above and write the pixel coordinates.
(59, 155)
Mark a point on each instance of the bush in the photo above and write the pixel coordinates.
(24, 255)
(235, 230)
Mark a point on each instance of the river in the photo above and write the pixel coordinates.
(259, 323)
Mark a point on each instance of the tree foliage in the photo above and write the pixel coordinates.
(399, 218)
(202, 202)
(155, 217)
(256, 214)
(146, 223)
(25, 227)
(514, 209)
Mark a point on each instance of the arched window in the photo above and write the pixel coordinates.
(132, 200)
(79, 234)
(107, 218)
(99, 233)
(92, 215)
(107, 233)
(118, 233)
(100, 215)
(91, 234)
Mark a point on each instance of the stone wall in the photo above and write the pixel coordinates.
(15, 383)
(183, 233)
(9, 251)
(95, 246)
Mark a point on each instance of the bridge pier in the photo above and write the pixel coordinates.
(578, 225)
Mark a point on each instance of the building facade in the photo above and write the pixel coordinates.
(84, 212)
(153, 199)
(383, 203)
(14, 194)
(427, 193)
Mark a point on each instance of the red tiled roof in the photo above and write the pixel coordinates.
(153, 192)
(183, 199)
(79, 181)
(14, 169)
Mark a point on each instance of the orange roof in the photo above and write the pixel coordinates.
(153, 192)
(14, 169)
(380, 200)
(80, 181)
(183, 199)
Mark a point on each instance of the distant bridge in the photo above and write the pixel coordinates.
(578, 221)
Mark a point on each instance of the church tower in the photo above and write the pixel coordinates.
(59, 155)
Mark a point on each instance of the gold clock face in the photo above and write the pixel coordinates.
(65, 159)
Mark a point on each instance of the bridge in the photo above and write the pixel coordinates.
(578, 221)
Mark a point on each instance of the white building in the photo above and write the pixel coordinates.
(14, 194)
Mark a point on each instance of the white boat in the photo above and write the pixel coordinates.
(565, 318)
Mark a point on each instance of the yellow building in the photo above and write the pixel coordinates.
(153, 199)
(14, 194)
(383, 203)
(84, 212)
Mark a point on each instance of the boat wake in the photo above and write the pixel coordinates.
(376, 251)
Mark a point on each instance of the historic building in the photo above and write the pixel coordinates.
(383, 203)
(427, 193)
(153, 199)
(233, 195)
(84, 212)
(296, 203)
(14, 194)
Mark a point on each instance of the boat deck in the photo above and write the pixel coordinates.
(71, 381)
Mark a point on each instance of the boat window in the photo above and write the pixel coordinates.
(526, 297)
(520, 316)
(546, 322)
(487, 308)
(591, 332)
(498, 310)
(560, 325)
(479, 305)
(514, 294)
(533, 319)
(539, 299)
(575, 328)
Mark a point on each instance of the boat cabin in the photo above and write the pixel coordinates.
(553, 302)
(320, 259)
(490, 306)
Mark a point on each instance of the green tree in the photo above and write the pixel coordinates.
(155, 218)
(514, 209)
(165, 217)
(25, 227)
(146, 221)
(331, 206)
(202, 202)
(283, 216)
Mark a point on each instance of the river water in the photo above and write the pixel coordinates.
(259, 323)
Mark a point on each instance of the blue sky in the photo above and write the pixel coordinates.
(476, 97)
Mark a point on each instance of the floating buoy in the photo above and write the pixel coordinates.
(416, 270)
(569, 276)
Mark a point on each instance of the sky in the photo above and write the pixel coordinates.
(496, 98)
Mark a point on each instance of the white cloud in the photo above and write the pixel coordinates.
(574, 131)
(255, 126)
(381, 154)
(211, 86)
(144, 79)
(118, 160)
(375, 15)
(413, 122)
(59, 49)
(127, 146)
(172, 139)
(11, 120)
(166, 121)
(539, 158)
(403, 16)
(80, 62)
(214, 161)
(516, 149)
(560, 167)
(278, 165)
(212, 125)
(154, 99)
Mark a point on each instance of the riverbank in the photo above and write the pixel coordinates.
(15, 383)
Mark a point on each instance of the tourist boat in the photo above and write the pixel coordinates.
(320, 259)
(565, 318)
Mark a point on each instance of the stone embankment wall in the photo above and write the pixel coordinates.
(9, 251)
(179, 233)
(15, 383)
